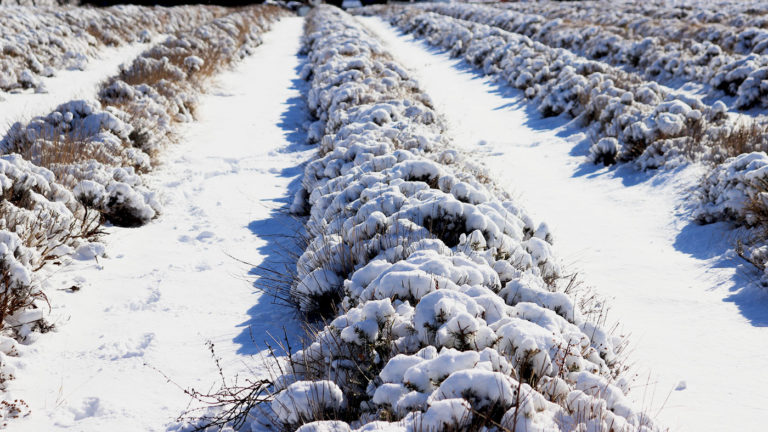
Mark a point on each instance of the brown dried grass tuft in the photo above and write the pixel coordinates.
(149, 75)
(745, 138)
(56, 151)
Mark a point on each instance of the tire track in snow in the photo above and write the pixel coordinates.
(170, 286)
(699, 335)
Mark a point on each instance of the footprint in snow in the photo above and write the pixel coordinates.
(206, 236)
(146, 303)
(131, 347)
(84, 409)
(89, 407)
(682, 385)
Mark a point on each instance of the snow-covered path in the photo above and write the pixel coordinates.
(170, 286)
(66, 85)
(698, 326)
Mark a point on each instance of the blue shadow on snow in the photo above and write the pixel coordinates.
(715, 243)
(269, 319)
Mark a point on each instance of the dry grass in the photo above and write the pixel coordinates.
(145, 131)
(747, 137)
(61, 149)
(14, 297)
(757, 218)
(57, 151)
(231, 403)
(213, 61)
(43, 231)
(757, 208)
(150, 74)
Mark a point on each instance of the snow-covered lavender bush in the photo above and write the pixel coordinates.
(446, 308)
(161, 86)
(40, 220)
(737, 191)
(62, 173)
(605, 151)
(41, 40)
(730, 187)
(738, 27)
(653, 127)
(628, 118)
(88, 149)
(665, 61)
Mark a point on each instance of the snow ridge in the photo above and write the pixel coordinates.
(449, 313)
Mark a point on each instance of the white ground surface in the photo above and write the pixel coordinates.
(66, 85)
(697, 324)
(696, 321)
(169, 287)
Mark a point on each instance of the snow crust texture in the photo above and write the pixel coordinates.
(39, 41)
(449, 315)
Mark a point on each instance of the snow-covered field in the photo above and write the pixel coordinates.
(444, 217)
(630, 236)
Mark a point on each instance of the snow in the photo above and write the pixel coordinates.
(302, 399)
(728, 188)
(560, 82)
(447, 413)
(691, 310)
(487, 387)
(163, 290)
(605, 151)
(325, 426)
(712, 60)
(44, 39)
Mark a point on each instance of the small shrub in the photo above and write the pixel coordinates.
(605, 151)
